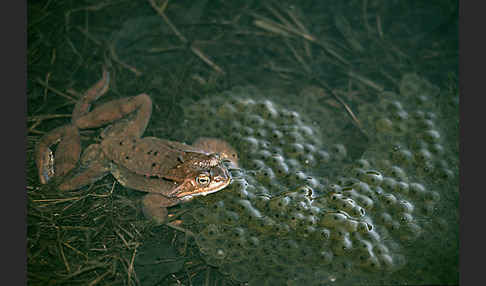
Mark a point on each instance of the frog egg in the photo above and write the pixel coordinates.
(405, 218)
(244, 104)
(265, 175)
(256, 164)
(229, 218)
(399, 116)
(281, 169)
(410, 232)
(404, 206)
(339, 233)
(307, 231)
(364, 246)
(287, 247)
(263, 155)
(397, 173)
(293, 137)
(423, 155)
(386, 261)
(342, 246)
(322, 156)
(261, 201)
(254, 120)
(291, 117)
(333, 188)
(431, 136)
(307, 131)
(432, 196)
(345, 204)
(202, 215)
(389, 200)
(279, 215)
(366, 202)
(373, 178)
(240, 273)
(358, 173)
(362, 188)
(241, 193)
(248, 212)
(387, 102)
(235, 234)
(423, 123)
(249, 143)
(428, 208)
(264, 224)
(217, 206)
(384, 125)
(402, 156)
(275, 159)
(357, 211)
(279, 203)
(294, 149)
(351, 225)
(445, 174)
(362, 164)
(388, 184)
(402, 188)
(322, 233)
(417, 190)
(364, 227)
(300, 206)
(380, 249)
(426, 169)
(295, 219)
(325, 257)
(339, 151)
(226, 110)
(276, 137)
(239, 183)
(297, 178)
(307, 159)
(371, 263)
(281, 229)
(385, 219)
(261, 133)
(235, 137)
(437, 149)
(346, 182)
(267, 109)
(410, 85)
(211, 232)
(332, 220)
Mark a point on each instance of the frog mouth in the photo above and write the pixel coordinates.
(190, 195)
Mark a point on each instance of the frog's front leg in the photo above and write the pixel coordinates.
(155, 203)
(155, 206)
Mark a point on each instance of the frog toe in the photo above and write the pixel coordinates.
(154, 207)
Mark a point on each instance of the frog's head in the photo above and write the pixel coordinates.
(203, 182)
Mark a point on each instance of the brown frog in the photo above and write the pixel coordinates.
(171, 172)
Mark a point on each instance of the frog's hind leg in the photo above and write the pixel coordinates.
(67, 137)
(93, 166)
(140, 106)
(66, 155)
(93, 93)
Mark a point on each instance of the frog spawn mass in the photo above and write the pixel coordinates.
(283, 221)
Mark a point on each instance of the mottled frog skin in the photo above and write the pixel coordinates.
(171, 172)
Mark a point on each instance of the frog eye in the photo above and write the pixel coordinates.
(203, 179)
